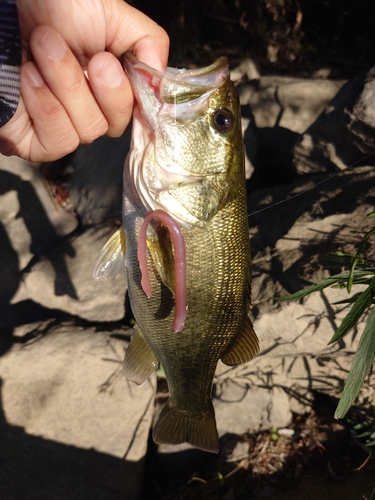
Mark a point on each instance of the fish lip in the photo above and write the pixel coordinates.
(176, 86)
(178, 93)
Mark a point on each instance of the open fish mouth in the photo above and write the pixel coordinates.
(175, 87)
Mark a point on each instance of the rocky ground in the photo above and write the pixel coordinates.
(71, 426)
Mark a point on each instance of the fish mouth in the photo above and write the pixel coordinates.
(175, 86)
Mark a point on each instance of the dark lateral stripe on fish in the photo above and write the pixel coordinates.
(180, 264)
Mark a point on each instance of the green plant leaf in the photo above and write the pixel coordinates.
(364, 434)
(351, 274)
(310, 289)
(316, 287)
(349, 300)
(362, 362)
(358, 308)
(344, 260)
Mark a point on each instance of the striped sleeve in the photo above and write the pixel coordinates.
(10, 60)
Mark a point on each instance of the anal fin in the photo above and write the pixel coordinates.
(245, 346)
(140, 361)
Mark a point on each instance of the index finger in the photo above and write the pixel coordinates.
(130, 29)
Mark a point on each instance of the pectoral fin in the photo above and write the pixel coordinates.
(140, 361)
(171, 264)
(161, 252)
(111, 262)
(244, 348)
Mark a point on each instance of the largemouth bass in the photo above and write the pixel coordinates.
(185, 240)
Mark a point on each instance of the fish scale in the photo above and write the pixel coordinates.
(215, 234)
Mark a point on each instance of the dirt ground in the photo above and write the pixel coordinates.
(315, 458)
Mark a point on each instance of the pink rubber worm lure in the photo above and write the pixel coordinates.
(180, 264)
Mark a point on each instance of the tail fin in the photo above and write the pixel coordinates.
(176, 426)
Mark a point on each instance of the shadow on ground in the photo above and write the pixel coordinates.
(35, 468)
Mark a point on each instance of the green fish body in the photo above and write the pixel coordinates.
(186, 161)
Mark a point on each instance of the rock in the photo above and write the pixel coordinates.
(248, 68)
(34, 228)
(276, 110)
(291, 103)
(240, 404)
(62, 279)
(96, 187)
(344, 132)
(35, 205)
(286, 242)
(30, 221)
(71, 425)
(237, 449)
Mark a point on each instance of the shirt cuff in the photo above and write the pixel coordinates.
(10, 60)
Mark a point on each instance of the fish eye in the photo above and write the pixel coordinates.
(223, 120)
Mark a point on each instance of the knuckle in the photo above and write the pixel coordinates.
(95, 130)
(50, 107)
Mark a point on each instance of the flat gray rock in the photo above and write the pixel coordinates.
(96, 186)
(344, 132)
(292, 103)
(72, 426)
(287, 240)
(62, 279)
(275, 112)
(30, 221)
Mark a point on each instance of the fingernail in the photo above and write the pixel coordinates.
(111, 74)
(53, 45)
(33, 75)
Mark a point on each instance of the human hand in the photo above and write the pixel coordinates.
(59, 107)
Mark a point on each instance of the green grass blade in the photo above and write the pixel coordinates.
(364, 434)
(358, 308)
(362, 362)
(310, 289)
(349, 300)
(351, 274)
(321, 285)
